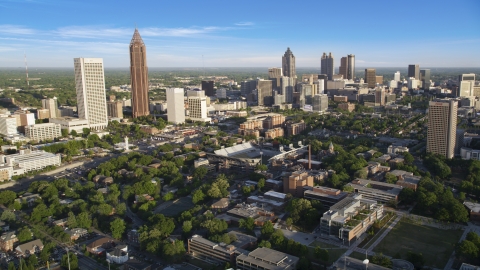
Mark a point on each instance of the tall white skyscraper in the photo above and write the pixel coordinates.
(442, 127)
(51, 105)
(396, 76)
(90, 85)
(175, 105)
(466, 83)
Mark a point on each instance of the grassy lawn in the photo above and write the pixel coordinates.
(370, 240)
(334, 252)
(436, 245)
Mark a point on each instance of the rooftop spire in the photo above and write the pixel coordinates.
(136, 37)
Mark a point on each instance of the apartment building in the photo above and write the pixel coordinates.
(295, 128)
(7, 240)
(41, 132)
(273, 121)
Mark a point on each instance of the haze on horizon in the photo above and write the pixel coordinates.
(244, 34)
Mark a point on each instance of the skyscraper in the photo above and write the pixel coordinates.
(442, 126)
(288, 64)
(327, 65)
(343, 67)
(320, 102)
(264, 94)
(287, 85)
(115, 109)
(466, 83)
(275, 74)
(370, 77)
(139, 76)
(197, 106)
(379, 96)
(351, 66)
(51, 105)
(209, 88)
(396, 76)
(175, 105)
(414, 71)
(90, 87)
(425, 78)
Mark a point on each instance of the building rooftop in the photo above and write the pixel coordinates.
(473, 207)
(32, 156)
(275, 194)
(379, 186)
(270, 259)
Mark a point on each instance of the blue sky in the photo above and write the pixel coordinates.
(241, 33)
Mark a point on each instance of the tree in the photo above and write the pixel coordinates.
(121, 209)
(7, 197)
(381, 260)
(174, 251)
(261, 184)
(321, 254)
(8, 215)
(215, 226)
(467, 249)
(32, 260)
(246, 190)
(362, 173)
(408, 158)
(64, 133)
(73, 261)
(289, 222)
(198, 196)
(117, 227)
(187, 226)
(84, 221)
(214, 191)
(24, 235)
(248, 224)
(267, 229)
(416, 259)
(11, 266)
(169, 196)
(71, 220)
(261, 167)
(73, 133)
(390, 178)
(265, 243)
(348, 188)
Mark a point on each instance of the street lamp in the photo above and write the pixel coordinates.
(366, 261)
(108, 261)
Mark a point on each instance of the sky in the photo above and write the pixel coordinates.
(219, 33)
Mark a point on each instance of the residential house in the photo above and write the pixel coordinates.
(76, 233)
(31, 247)
(118, 255)
(99, 245)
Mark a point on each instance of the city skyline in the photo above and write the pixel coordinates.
(235, 35)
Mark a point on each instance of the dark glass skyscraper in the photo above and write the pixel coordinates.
(327, 66)
(139, 76)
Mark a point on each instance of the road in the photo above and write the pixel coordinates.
(470, 228)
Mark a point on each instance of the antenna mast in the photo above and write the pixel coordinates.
(26, 69)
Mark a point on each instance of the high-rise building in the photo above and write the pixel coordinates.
(90, 87)
(347, 67)
(327, 65)
(396, 76)
(287, 85)
(320, 103)
(379, 79)
(370, 77)
(208, 87)
(43, 113)
(175, 105)
(288, 64)
(139, 76)
(414, 71)
(197, 106)
(115, 109)
(247, 87)
(425, 78)
(380, 96)
(40, 132)
(442, 126)
(8, 126)
(265, 94)
(466, 83)
(51, 105)
(275, 74)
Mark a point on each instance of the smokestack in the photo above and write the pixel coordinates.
(309, 157)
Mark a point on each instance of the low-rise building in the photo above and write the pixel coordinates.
(7, 240)
(259, 215)
(134, 264)
(347, 106)
(376, 191)
(99, 245)
(76, 233)
(31, 160)
(268, 259)
(118, 255)
(274, 133)
(296, 182)
(213, 252)
(70, 123)
(394, 149)
(29, 248)
(41, 132)
(6, 172)
(473, 210)
(327, 196)
(350, 217)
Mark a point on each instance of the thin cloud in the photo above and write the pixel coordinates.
(91, 32)
(244, 24)
(16, 30)
(180, 32)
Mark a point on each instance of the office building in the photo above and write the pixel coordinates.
(66, 111)
(90, 86)
(51, 105)
(320, 103)
(275, 74)
(8, 126)
(247, 87)
(347, 67)
(209, 88)
(287, 86)
(350, 217)
(296, 182)
(221, 93)
(267, 259)
(115, 109)
(375, 190)
(139, 76)
(288, 64)
(379, 96)
(425, 78)
(26, 118)
(379, 80)
(175, 105)
(442, 126)
(197, 106)
(31, 160)
(327, 66)
(414, 71)
(327, 196)
(43, 113)
(264, 94)
(70, 123)
(396, 76)
(466, 83)
(41, 132)
(370, 77)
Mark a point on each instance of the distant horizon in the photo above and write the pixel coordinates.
(239, 34)
(253, 67)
